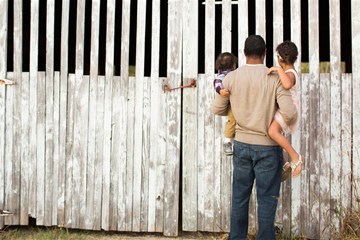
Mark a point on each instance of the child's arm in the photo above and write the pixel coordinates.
(287, 79)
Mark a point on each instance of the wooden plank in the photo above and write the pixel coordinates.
(3, 70)
(56, 155)
(109, 70)
(336, 152)
(16, 160)
(305, 126)
(209, 117)
(277, 26)
(346, 123)
(243, 29)
(174, 66)
(355, 34)
(260, 18)
(324, 155)
(25, 161)
(116, 173)
(281, 216)
(295, 8)
(91, 186)
(125, 221)
(69, 150)
(81, 97)
(138, 133)
(161, 157)
(226, 26)
(145, 156)
(313, 229)
(80, 123)
(99, 148)
(33, 71)
(155, 112)
(201, 152)
(9, 115)
(40, 151)
(130, 154)
(223, 166)
(63, 215)
(50, 177)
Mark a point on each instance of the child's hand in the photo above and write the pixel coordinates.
(273, 69)
(224, 92)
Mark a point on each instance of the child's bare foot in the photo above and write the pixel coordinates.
(297, 166)
(286, 171)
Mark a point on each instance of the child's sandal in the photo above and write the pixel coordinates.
(296, 165)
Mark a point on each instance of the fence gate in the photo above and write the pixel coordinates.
(88, 141)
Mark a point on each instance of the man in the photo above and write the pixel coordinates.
(255, 96)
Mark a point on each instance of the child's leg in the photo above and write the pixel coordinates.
(230, 125)
(275, 133)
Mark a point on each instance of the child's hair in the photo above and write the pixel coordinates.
(225, 61)
(288, 52)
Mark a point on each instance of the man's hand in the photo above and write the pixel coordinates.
(224, 92)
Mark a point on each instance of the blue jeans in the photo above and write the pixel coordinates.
(263, 163)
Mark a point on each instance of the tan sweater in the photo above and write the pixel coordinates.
(255, 96)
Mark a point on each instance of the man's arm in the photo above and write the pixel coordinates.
(286, 106)
(220, 105)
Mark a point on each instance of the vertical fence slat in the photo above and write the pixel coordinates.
(226, 26)
(33, 71)
(209, 117)
(99, 148)
(50, 177)
(81, 96)
(56, 156)
(346, 142)
(260, 15)
(277, 39)
(243, 28)
(200, 157)
(92, 203)
(127, 113)
(9, 102)
(155, 114)
(324, 155)
(62, 212)
(222, 165)
(355, 34)
(313, 167)
(295, 14)
(145, 156)
(172, 171)
(69, 150)
(161, 158)
(3, 69)
(109, 68)
(336, 151)
(25, 161)
(130, 154)
(305, 126)
(81, 90)
(139, 96)
(40, 151)
(17, 142)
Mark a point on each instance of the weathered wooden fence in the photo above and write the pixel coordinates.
(106, 152)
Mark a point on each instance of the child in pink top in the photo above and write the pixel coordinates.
(287, 54)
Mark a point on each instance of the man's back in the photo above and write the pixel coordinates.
(255, 97)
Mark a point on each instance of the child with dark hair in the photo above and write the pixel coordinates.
(287, 54)
(225, 63)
